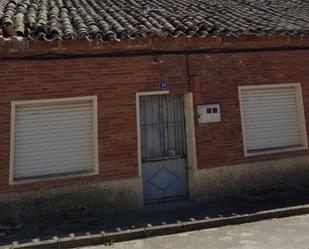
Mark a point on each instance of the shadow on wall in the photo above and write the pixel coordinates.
(71, 202)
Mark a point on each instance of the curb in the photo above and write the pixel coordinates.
(98, 238)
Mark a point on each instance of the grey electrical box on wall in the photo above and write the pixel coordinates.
(209, 113)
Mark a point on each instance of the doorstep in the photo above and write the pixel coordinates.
(163, 219)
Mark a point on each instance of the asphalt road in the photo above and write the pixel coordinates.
(285, 233)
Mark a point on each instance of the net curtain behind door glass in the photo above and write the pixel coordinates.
(162, 127)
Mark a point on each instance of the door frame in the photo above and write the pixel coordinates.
(189, 128)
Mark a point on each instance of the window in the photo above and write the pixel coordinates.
(53, 138)
(272, 118)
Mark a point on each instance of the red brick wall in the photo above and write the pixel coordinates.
(220, 75)
(116, 80)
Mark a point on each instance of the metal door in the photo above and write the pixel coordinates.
(163, 147)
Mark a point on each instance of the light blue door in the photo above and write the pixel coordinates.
(163, 147)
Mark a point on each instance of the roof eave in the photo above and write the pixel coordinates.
(16, 46)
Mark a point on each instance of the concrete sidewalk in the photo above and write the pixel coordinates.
(158, 219)
(284, 233)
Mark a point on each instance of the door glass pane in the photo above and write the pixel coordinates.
(162, 127)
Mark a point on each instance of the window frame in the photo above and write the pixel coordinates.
(300, 114)
(94, 171)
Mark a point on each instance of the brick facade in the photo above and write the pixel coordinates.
(220, 144)
(212, 77)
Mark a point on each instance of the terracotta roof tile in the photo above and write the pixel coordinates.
(120, 19)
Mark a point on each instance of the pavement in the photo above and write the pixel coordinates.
(159, 219)
(284, 233)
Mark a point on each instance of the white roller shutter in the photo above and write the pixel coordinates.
(54, 138)
(271, 118)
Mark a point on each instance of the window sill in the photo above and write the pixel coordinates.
(275, 150)
(52, 177)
